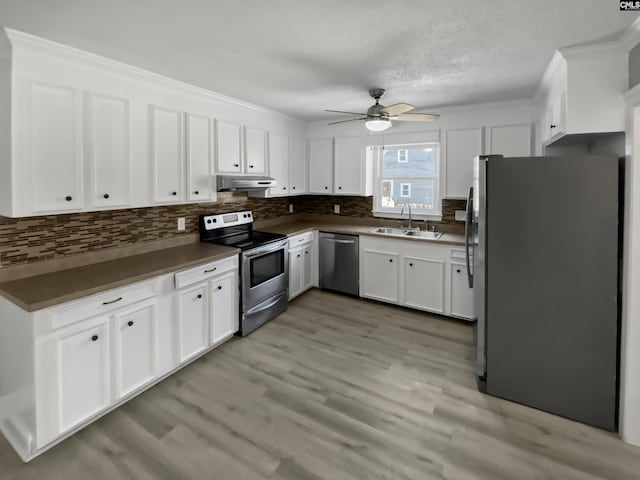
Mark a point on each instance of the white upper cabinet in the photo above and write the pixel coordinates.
(279, 163)
(349, 171)
(581, 91)
(255, 151)
(199, 158)
(462, 145)
(321, 166)
(297, 166)
(167, 154)
(510, 140)
(52, 148)
(229, 143)
(108, 151)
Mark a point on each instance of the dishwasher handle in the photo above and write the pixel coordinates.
(338, 240)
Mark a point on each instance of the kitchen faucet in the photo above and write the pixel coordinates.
(402, 213)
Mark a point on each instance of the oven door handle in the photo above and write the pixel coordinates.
(261, 307)
(266, 249)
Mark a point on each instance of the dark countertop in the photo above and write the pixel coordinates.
(50, 289)
(295, 227)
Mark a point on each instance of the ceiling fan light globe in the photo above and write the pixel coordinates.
(377, 124)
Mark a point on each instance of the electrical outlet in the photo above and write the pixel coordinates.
(291, 208)
(336, 209)
(461, 215)
(181, 224)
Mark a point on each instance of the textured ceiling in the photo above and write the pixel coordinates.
(302, 56)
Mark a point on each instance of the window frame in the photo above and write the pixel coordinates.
(438, 180)
(406, 155)
(402, 185)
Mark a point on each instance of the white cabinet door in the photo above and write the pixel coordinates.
(136, 347)
(55, 148)
(296, 264)
(167, 154)
(224, 307)
(193, 321)
(511, 140)
(462, 146)
(380, 276)
(424, 283)
(255, 151)
(279, 163)
(108, 151)
(348, 166)
(229, 143)
(83, 373)
(321, 166)
(297, 166)
(307, 267)
(199, 157)
(461, 294)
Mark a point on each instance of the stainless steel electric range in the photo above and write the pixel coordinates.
(264, 265)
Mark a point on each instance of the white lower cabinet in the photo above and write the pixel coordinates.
(62, 367)
(424, 283)
(417, 274)
(136, 347)
(379, 275)
(83, 371)
(461, 294)
(301, 263)
(224, 307)
(193, 321)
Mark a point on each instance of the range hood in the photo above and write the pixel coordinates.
(238, 183)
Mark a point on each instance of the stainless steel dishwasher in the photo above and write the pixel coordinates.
(339, 267)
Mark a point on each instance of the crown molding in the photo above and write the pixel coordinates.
(631, 37)
(33, 43)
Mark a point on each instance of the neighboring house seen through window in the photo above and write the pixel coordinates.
(408, 174)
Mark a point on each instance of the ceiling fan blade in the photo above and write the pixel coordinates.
(397, 109)
(340, 111)
(350, 120)
(417, 117)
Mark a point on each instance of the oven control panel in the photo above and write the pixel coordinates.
(211, 222)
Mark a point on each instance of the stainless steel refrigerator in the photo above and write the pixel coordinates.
(543, 259)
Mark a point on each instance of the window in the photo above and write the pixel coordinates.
(407, 174)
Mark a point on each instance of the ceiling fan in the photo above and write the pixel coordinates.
(378, 117)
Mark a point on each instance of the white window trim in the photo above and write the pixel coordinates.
(380, 212)
(408, 185)
(406, 155)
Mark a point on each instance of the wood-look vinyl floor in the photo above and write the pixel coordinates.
(335, 388)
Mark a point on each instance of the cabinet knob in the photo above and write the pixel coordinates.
(306, 253)
(298, 255)
(391, 260)
(94, 338)
(236, 164)
(411, 264)
(219, 287)
(294, 188)
(174, 193)
(326, 188)
(284, 188)
(196, 192)
(68, 198)
(457, 270)
(199, 295)
(339, 188)
(552, 125)
(250, 166)
(106, 195)
(130, 323)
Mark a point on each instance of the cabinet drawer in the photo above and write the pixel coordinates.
(205, 271)
(458, 253)
(100, 304)
(300, 239)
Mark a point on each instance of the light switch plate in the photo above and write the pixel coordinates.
(461, 215)
(291, 208)
(336, 209)
(181, 224)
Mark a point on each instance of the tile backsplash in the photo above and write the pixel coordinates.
(25, 240)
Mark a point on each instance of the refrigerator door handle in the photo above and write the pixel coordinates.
(468, 231)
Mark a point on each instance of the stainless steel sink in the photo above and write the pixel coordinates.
(421, 234)
(407, 232)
